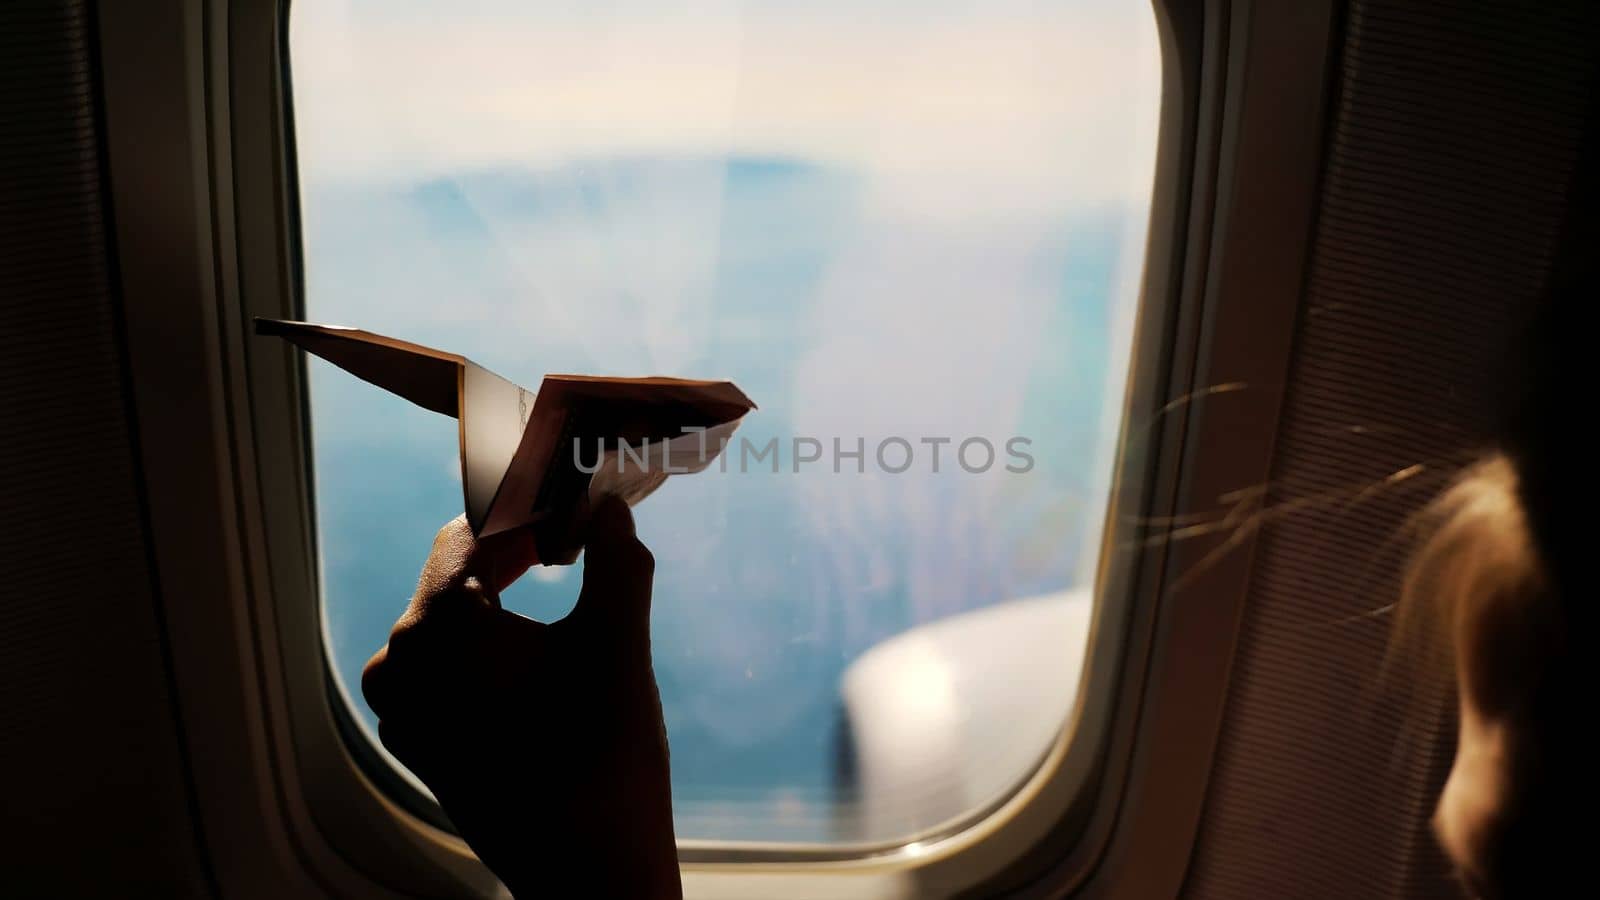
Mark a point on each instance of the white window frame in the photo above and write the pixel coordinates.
(203, 196)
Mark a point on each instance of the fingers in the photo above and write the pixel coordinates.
(561, 540)
(391, 688)
(500, 559)
(439, 667)
(461, 567)
(452, 624)
(446, 567)
(617, 573)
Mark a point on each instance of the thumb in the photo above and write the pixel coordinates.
(617, 573)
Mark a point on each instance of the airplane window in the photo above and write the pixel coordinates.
(911, 231)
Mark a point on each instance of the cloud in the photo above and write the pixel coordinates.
(1021, 107)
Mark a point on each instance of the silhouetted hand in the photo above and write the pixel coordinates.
(543, 743)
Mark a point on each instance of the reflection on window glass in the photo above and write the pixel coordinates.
(911, 227)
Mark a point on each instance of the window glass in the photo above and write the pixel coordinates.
(908, 230)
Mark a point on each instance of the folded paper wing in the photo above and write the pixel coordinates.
(526, 456)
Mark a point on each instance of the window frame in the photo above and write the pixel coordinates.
(203, 189)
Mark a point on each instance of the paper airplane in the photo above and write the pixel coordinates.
(529, 456)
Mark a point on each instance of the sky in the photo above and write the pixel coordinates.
(921, 219)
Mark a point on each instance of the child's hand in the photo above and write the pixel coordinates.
(543, 743)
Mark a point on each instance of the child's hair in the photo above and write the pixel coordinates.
(1479, 604)
(1474, 551)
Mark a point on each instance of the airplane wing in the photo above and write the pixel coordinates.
(427, 377)
(492, 411)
